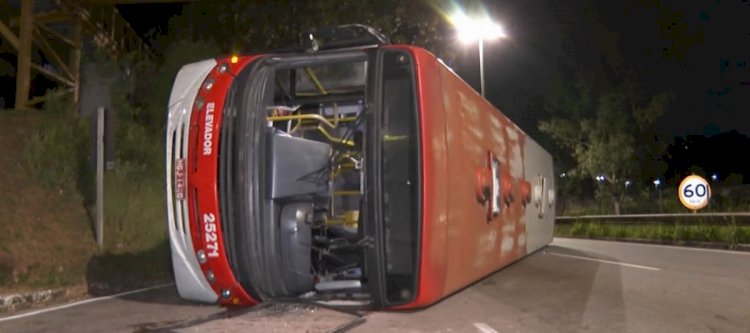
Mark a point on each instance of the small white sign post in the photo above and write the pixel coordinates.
(100, 178)
(694, 192)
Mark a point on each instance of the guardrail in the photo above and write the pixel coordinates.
(739, 218)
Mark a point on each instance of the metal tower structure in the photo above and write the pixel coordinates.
(54, 29)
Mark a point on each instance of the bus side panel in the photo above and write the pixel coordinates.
(540, 216)
(478, 246)
(432, 122)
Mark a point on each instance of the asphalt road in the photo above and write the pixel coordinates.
(570, 286)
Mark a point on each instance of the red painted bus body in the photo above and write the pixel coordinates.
(371, 175)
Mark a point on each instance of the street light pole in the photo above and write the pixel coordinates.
(657, 186)
(479, 30)
(661, 208)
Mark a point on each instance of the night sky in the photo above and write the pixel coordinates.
(710, 72)
(700, 49)
(150, 18)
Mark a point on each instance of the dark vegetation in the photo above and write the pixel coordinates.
(725, 232)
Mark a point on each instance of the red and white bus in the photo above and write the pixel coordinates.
(362, 172)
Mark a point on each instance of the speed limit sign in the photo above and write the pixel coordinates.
(694, 192)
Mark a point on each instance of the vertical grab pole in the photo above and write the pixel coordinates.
(100, 177)
(481, 66)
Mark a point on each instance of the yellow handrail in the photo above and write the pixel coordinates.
(346, 193)
(333, 138)
(314, 79)
(310, 116)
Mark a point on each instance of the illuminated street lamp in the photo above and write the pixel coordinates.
(470, 30)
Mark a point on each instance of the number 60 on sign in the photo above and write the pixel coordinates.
(694, 192)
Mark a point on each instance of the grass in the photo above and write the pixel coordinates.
(134, 209)
(47, 188)
(729, 233)
(135, 232)
(55, 147)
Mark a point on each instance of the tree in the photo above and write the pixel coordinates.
(245, 26)
(603, 129)
(605, 109)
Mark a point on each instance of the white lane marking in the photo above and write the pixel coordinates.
(484, 328)
(91, 300)
(607, 261)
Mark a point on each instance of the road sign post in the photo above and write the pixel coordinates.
(100, 178)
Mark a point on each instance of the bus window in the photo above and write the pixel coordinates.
(401, 177)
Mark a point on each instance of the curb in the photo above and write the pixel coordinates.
(19, 301)
(15, 301)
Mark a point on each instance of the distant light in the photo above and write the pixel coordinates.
(714, 177)
(470, 30)
(234, 59)
(601, 178)
(657, 182)
(627, 183)
(562, 175)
